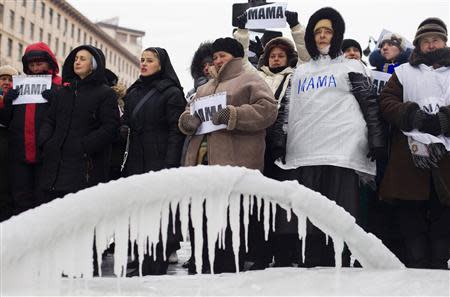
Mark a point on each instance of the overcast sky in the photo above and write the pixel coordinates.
(181, 25)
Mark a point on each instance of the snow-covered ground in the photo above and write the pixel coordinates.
(40, 244)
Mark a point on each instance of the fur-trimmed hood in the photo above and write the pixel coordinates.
(338, 32)
(203, 53)
(439, 57)
(283, 43)
(377, 60)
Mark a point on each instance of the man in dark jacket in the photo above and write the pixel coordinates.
(77, 135)
(24, 122)
(416, 102)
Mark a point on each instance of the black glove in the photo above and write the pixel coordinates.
(123, 131)
(221, 117)
(242, 20)
(256, 47)
(291, 18)
(279, 153)
(361, 85)
(10, 96)
(377, 153)
(431, 125)
(49, 94)
(190, 123)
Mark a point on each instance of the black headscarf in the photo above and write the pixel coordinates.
(167, 71)
(97, 75)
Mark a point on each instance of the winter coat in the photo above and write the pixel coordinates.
(403, 180)
(76, 136)
(381, 64)
(24, 120)
(155, 140)
(252, 110)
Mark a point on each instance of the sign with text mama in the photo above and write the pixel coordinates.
(30, 88)
(380, 79)
(205, 108)
(266, 16)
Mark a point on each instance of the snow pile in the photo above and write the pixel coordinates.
(40, 244)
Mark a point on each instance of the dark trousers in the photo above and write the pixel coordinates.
(24, 185)
(6, 202)
(425, 229)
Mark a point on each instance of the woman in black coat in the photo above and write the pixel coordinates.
(155, 140)
(82, 123)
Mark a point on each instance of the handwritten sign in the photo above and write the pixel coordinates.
(205, 108)
(30, 88)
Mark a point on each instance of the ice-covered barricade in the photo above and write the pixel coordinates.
(41, 244)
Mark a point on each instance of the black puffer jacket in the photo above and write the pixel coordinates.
(76, 137)
(155, 140)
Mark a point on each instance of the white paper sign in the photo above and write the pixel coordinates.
(206, 107)
(266, 16)
(30, 88)
(380, 79)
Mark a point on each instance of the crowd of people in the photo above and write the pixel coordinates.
(303, 110)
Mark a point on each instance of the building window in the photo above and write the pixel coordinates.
(84, 38)
(63, 53)
(2, 7)
(79, 35)
(66, 24)
(42, 10)
(90, 39)
(56, 45)
(22, 25)
(20, 53)
(50, 15)
(9, 48)
(121, 37)
(24, 3)
(12, 17)
(33, 6)
(49, 39)
(31, 31)
(41, 34)
(72, 31)
(133, 39)
(58, 21)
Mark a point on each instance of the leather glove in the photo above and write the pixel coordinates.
(49, 94)
(123, 131)
(221, 117)
(417, 118)
(242, 20)
(291, 18)
(377, 153)
(190, 123)
(279, 153)
(431, 125)
(256, 47)
(11, 96)
(361, 85)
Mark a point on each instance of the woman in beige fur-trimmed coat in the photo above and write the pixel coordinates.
(251, 108)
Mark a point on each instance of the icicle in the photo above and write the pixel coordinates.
(251, 198)
(302, 233)
(274, 214)
(326, 239)
(352, 260)
(164, 227)
(235, 208)
(197, 224)
(215, 210)
(266, 219)
(173, 208)
(288, 214)
(184, 217)
(245, 205)
(338, 244)
(121, 246)
(258, 203)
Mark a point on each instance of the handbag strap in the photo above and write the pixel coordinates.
(142, 102)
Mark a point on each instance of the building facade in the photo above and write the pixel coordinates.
(63, 28)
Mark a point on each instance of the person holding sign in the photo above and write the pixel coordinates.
(250, 108)
(416, 102)
(333, 126)
(24, 122)
(82, 123)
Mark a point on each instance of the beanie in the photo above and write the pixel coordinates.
(228, 45)
(393, 39)
(431, 26)
(8, 70)
(324, 23)
(347, 43)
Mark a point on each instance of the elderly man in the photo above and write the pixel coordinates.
(416, 102)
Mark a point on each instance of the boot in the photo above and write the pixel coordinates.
(440, 253)
(417, 253)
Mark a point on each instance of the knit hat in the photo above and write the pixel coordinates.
(228, 45)
(347, 43)
(431, 26)
(324, 23)
(8, 70)
(393, 39)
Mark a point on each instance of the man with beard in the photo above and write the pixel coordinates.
(416, 102)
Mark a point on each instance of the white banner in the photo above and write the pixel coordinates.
(380, 79)
(266, 16)
(206, 107)
(30, 88)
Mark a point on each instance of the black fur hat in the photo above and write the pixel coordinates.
(202, 55)
(229, 45)
(346, 43)
(338, 32)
